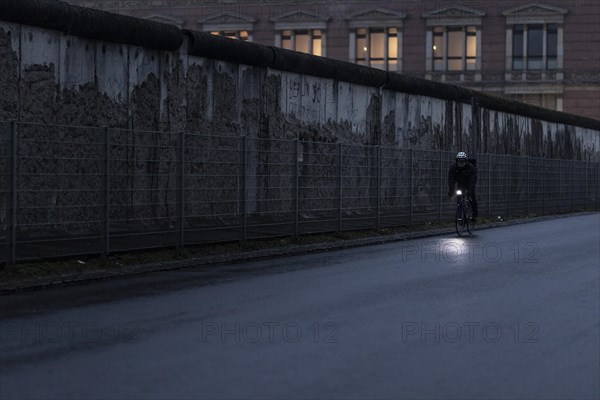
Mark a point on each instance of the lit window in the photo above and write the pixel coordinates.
(471, 48)
(317, 43)
(308, 41)
(528, 47)
(377, 47)
(454, 48)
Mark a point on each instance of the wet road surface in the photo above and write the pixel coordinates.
(511, 312)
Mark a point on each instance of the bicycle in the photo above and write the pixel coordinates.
(464, 214)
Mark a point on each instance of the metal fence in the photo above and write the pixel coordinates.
(70, 191)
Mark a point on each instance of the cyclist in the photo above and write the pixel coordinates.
(464, 175)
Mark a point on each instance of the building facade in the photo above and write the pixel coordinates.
(544, 53)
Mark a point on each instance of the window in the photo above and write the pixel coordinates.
(535, 46)
(552, 46)
(534, 37)
(517, 47)
(454, 43)
(308, 41)
(376, 38)
(377, 47)
(454, 48)
(241, 35)
(301, 31)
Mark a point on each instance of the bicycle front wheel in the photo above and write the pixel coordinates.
(469, 218)
(460, 220)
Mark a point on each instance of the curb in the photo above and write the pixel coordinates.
(293, 250)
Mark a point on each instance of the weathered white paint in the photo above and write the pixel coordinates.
(466, 126)
(40, 47)
(77, 61)
(401, 118)
(312, 99)
(250, 87)
(353, 102)
(331, 100)
(112, 70)
(142, 63)
(15, 33)
(290, 94)
(388, 106)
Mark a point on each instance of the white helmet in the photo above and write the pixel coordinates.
(461, 156)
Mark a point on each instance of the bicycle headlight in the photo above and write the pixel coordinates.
(459, 192)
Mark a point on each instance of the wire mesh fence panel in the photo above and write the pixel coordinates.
(593, 186)
(271, 195)
(59, 191)
(518, 185)
(536, 185)
(579, 191)
(5, 189)
(499, 185)
(426, 186)
(213, 186)
(319, 178)
(482, 166)
(552, 186)
(143, 189)
(359, 187)
(565, 185)
(396, 179)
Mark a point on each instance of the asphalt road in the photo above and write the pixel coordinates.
(511, 313)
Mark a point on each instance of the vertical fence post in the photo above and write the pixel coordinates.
(509, 177)
(243, 179)
(106, 246)
(543, 179)
(378, 187)
(410, 193)
(181, 191)
(559, 182)
(296, 186)
(572, 185)
(12, 256)
(441, 199)
(340, 182)
(586, 185)
(5, 138)
(528, 188)
(489, 182)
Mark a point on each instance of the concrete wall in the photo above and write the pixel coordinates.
(51, 77)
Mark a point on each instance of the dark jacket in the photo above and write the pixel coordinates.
(465, 177)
